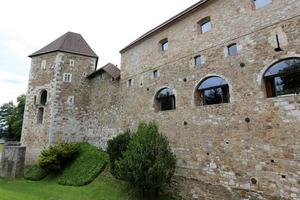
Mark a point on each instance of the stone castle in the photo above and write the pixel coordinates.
(221, 79)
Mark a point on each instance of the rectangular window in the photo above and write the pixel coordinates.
(156, 74)
(67, 78)
(72, 63)
(71, 100)
(198, 60)
(129, 83)
(43, 64)
(261, 3)
(206, 26)
(164, 45)
(232, 50)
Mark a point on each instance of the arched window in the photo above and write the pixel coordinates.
(283, 78)
(212, 90)
(43, 97)
(165, 100)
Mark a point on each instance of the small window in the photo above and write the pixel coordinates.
(164, 45)
(283, 78)
(70, 100)
(129, 83)
(205, 25)
(40, 116)
(156, 74)
(43, 64)
(34, 100)
(165, 100)
(67, 78)
(261, 3)
(232, 49)
(72, 63)
(43, 97)
(101, 75)
(198, 60)
(213, 90)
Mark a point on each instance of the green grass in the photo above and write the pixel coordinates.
(103, 188)
(35, 173)
(85, 168)
(1, 148)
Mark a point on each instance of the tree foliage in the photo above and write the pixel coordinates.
(148, 163)
(115, 149)
(11, 118)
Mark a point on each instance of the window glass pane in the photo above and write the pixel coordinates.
(212, 82)
(288, 84)
(213, 96)
(165, 46)
(167, 103)
(198, 60)
(165, 93)
(232, 50)
(261, 3)
(206, 26)
(285, 66)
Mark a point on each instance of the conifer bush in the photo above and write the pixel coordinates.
(148, 163)
(115, 149)
(35, 173)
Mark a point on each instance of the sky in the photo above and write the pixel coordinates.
(107, 26)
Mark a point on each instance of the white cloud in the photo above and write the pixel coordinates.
(108, 26)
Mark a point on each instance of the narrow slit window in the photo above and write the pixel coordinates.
(130, 83)
(40, 116)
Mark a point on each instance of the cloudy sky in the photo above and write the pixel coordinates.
(108, 26)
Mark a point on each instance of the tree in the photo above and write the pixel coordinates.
(148, 162)
(15, 120)
(5, 111)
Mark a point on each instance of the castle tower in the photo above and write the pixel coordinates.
(58, 93)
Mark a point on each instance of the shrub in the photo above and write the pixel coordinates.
(85, 168)
(115, 149)
(35, 173)
(56, 157)
(148, 162)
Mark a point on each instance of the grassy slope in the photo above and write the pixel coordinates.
(1, 148)
(103, 188)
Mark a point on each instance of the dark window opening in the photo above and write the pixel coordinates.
(43, 99)
(232, 50)
(283, 78)
(165, 100)
(213, 90)
(205, 25)
(40, 116)
(155, 74)
(129, 82)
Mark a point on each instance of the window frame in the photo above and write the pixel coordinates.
(264, 5)
(229, 51)
(195, 60)
(69, 79)
(163, 100)
(164, 45)
(155, 74)
(202, 22)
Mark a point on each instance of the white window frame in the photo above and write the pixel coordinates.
(43, 64)
(65, 79)
(72, 62)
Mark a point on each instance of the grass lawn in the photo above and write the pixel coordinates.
(103, 188)
(1, 148)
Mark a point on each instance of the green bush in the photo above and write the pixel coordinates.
(35, 173)
(148, 162)
(85, 168)
(115, 149)
(56, 157)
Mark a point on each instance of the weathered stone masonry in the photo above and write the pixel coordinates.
(220, 155)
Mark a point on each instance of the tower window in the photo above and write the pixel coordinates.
(198, 60)
(205, 25)
(43, 97)
(43, 64)
(213, 90)
(72, 63)
(40, 115)
(164, 44)
(165, 100)
(71, 100)
(283, 78)
(67, 78)
(261, 3)
(232, 49)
